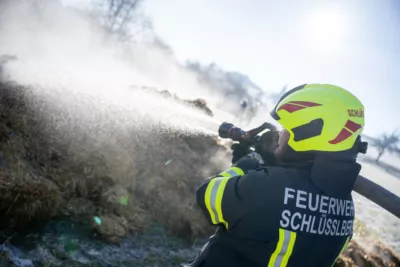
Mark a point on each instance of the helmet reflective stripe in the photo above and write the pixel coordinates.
(320, 117)
(273, 112)
(349, 129)
(297, 105)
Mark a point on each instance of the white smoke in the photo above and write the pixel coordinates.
(63, 52)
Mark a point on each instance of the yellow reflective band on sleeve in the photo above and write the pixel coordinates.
(225, 174)
(343, 248)
(284, 249)
(233, 171)
(213, 199)
(214, 192)
(207, 200)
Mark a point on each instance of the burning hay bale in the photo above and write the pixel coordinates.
(357, 256)
(45, 175)
(111, 228)
(23, 203)
(387, 256)
(199, 104)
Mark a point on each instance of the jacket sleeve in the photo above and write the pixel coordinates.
(218, 196)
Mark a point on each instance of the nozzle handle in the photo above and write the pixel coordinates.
(262, 127)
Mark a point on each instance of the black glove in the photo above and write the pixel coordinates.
(266, 147)
(251, 161)
(239, 151)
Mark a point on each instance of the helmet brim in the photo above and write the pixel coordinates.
(273, 113)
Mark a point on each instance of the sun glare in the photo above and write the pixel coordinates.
(326, 28)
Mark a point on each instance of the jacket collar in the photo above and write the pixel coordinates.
(333, 177)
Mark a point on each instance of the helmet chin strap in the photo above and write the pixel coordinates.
(284, 153)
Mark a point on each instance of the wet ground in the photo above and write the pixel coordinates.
(64, 243)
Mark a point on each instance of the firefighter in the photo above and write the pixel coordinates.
(299, 212)
(243, 106)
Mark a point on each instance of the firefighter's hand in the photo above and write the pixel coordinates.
(239, 151)
(251, 161)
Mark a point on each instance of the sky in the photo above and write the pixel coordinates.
(350, 43)
(354, 44)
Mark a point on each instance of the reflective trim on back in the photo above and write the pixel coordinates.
(284, 249)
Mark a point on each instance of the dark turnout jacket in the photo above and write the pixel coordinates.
(291, 216)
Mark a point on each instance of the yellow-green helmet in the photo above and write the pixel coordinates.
(320, 117)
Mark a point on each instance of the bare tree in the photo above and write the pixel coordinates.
(386, 142)
(118, 16)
